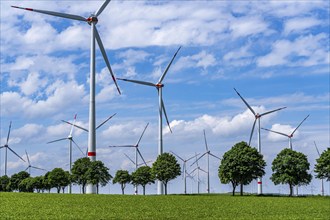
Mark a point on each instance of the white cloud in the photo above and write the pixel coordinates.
(202, 59)
(285, 129)
(296, 25)
(245, 26)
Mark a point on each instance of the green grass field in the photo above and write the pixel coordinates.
(65, 206)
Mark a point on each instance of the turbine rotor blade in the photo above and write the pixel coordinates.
(129, 158)
(318, 152)
(138, 82)
(198, 159)
(8, 134)
(141, 156)
(202, 170)
(100, 10)
(105, 57)
(78, 147)
(74, 122)
(177, 156)
(299, 125)
(27, 156)
(247, 104)
(122, 146)
(266, 113)
(77, 126)
(57, 140)
(15, 153)
(137, 144)
(215, 156)
(254, 124)
(27, 168)
(57, 14)
(190, 158)
(168, 66)
(275, 132)
(168, 123)
(105, 121)
(38, 168)
(207, 149)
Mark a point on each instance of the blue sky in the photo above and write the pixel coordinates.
(275, 53)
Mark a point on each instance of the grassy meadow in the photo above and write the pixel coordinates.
(77, 206)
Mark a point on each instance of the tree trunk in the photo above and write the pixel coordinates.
(290, 185)
(97, 188)
(165, 186)
(58, 189)
(241, 189)
(122, 189)
(234, 187)
(144, 189)
(83, 188)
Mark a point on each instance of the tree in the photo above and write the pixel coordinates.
(46, 182)
(38, 183)
(322, 168)
(143, 176)
(79, 172)
(26, 185)
(15, 180)
(4, 182)
(240, 165)
(58, 178)
(166, 168)
(98, 174)
(122, 177)
(290, 167)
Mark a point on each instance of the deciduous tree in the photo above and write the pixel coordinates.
(80, 172)
(290, 167)
(166, 168)
(143, 176)
(122, 177)
(98, 174)
(322, 168)
(58, 178)
(240, 165)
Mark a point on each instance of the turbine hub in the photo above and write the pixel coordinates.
(159, 85)
(92, 19)
(257, 116)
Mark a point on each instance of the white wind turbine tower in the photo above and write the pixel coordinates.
(30, 166)
(198, 169)
(184, 168)
(137, 151)
(289, 136)
(208, 153)
(161, 108)
(322, 186)
(257, 118)
(70, 138)
(92, 21)
(6, 146)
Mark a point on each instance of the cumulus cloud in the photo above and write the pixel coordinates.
(296, 25)
(285, 129)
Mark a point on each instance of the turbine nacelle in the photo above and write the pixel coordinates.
(159, 85)
(92, 19)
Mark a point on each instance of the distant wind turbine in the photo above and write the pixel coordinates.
(137, 151)
(92, 21)
(30, 166)
(257, 118)
(322, 186)
(197, 169)
(70, 138)
(184, 168)
(6, 146)
(208, 153)
(161, 108)
(289, 136)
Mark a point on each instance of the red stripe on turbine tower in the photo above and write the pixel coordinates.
(259, 182)
(91, 154)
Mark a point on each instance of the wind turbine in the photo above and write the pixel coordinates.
(161, 108)
(198, 169)
(208, 153)
(140, 164)
(137, 151)
(30, 166)
(289, 136)
(70, 138)
(184, 168)
(257, 118)
(322, 186)
(6, 146)
(92, 21)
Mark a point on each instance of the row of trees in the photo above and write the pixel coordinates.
(84, 172)
(242, 164)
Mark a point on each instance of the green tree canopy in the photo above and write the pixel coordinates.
(290, 167)
(80, 172)
(143, 176)
(322, 168)
(26, 185)
(58, 178)
(98, 174)
(4, 182)
(46, 182)
(122, 177)
(38, 183)
(166, 168)
(240, 165)
(15, 180)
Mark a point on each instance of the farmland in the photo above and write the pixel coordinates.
(214, 206)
